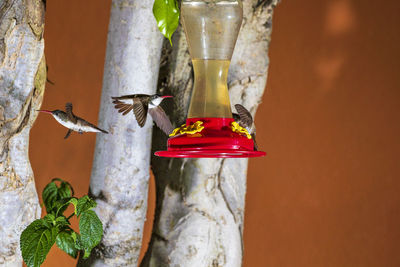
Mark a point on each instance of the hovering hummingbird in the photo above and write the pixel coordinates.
(141, 104)
(245, 120)
(72, 122)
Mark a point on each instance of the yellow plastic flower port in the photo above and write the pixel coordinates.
(188, 129)
(236, 128)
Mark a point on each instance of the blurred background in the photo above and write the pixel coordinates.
(327, 193)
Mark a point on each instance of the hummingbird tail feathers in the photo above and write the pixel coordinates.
(101, 130)
(95, 127)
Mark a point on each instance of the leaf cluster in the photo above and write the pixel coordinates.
(38, 238)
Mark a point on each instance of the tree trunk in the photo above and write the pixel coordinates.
(200, 202)
(22, 82)
(120, 174)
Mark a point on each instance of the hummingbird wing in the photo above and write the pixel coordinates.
(161, 119)
(139, 106)
(68, 133)
(245, 117)
(128, 96)
(140, 111)
(68, 110)
(236, 117)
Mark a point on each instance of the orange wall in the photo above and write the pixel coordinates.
(327, 194)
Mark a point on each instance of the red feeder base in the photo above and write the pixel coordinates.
(216, 140)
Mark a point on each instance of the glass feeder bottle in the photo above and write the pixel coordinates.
(211, 28)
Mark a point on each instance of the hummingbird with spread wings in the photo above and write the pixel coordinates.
(74, 123)
(142, 104)
(245, 120)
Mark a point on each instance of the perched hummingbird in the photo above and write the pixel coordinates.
(141, 104)
(245, 120)
(72, 122)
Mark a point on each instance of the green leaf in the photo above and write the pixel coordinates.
(78, 242)
(74, 201)
(91, 230)
(79, 245)
(85, 203)
(66, 241)
(52, 194)
(36, 241)
(61, 205)
(166, 13)
(65, 190)
(49, 220)
(61, 221)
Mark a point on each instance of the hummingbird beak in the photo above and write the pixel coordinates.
(45, 111)
(167, 96)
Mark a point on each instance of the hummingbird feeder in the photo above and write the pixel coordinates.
(211, 28)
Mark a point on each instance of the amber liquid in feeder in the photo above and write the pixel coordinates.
(211, 29)
(210, 96)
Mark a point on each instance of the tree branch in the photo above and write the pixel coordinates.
(120, 174)
(22, 82)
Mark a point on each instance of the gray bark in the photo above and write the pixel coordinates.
(22, 82)
(120, 173)
(200, 202)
